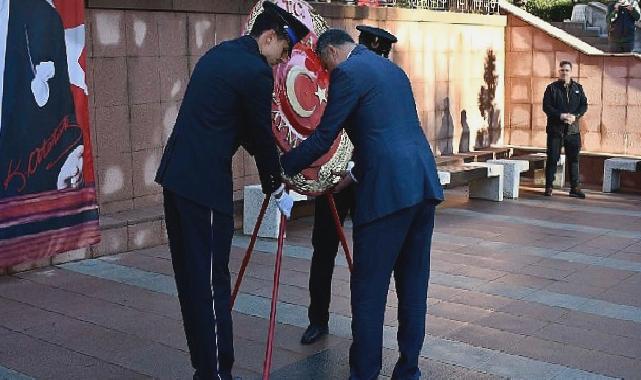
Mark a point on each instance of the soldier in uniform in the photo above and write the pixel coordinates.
(227, 104)
(324, 236)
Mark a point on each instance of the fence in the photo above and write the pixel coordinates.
(463, 6)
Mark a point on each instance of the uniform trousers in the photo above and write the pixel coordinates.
(200, 242)
(325, 242)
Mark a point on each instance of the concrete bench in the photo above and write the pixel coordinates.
(512, 170)
(559, 178)
(448, 160)
(537, 162)
(252, 203)
(444, 178)
(491, 187)
(485, 181)
(490, 153)
(612, 168)
(500, 152)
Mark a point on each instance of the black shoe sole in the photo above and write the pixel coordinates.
(315, 339)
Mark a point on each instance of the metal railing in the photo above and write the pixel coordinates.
(462, 6)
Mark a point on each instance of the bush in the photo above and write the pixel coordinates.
(550, 10)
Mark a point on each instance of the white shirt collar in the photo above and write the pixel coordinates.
(351, 51)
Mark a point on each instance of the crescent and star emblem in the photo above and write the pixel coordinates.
(321, 93)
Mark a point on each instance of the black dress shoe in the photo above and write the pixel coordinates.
(313, 334)
(548, 192)
(577, 193)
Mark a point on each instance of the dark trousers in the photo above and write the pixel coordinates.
(572, 145)
(200, 243)
(398, 243)
(325, 241)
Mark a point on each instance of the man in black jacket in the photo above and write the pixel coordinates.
(324, 235)
(564, 103)
(227, 104)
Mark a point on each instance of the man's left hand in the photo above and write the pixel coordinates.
(345, 182)
(71, 172)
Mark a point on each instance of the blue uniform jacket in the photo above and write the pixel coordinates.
(227, 104)
(372, 98)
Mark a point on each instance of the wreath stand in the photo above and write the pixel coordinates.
(267, 364)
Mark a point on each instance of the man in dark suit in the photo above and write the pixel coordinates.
(40, 141)
(324, 236)
(227, 104)
(397, 189)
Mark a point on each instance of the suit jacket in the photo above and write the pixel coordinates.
(559, 99)
(33, 142)
(372, 98)
(227, 103)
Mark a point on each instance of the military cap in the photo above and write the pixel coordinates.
(376, 39)
(295, 29)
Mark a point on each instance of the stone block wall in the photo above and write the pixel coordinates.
(140, 60)
(139, 66)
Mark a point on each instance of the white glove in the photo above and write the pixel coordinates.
(350, 167)
(284, 201)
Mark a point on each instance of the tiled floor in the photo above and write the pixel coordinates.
(533, 288)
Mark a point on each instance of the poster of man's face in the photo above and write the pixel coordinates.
(41, 144)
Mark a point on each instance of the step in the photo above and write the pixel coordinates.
(595, 40)
(120, 232)
(569, 24)
(591, 31)
(132, 230)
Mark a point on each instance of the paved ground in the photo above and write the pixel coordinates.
(532, 289)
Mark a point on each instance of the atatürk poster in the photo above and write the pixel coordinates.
(47, 187)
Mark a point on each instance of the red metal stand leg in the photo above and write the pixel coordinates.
(250, 249)
(267, 364)
(339, 229)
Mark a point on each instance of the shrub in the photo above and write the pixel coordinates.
(550, 10)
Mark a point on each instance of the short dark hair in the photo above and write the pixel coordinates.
(336, 37)
(563, 63)
(269, 21)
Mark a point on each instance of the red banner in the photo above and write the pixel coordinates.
(47, 184)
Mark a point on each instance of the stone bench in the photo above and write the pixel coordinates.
(444, 178)
(252, 204)
(512, 170)
(612, 168)
(448, 160)
(485, 180)
(537, 162)
(486, 154)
